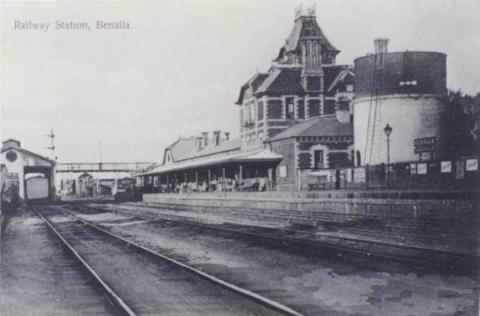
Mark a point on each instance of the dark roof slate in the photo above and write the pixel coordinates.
(307, 26)
(319, 126)
(254, 83)
(283, 81)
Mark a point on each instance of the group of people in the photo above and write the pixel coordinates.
(220, 185)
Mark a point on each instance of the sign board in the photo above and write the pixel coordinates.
(422, 168)
(359, 175)
(283, 171)
(471, 165)
(413, 168)
(425, 144)
(446, 167)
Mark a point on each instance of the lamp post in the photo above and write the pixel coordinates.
(388, 130)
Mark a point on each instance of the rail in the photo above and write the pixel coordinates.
(114, 297)
(236, 289)
(428, 252)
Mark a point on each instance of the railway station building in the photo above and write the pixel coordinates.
(295, 118)
(308, 122)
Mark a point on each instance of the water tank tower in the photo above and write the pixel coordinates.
(406, 91)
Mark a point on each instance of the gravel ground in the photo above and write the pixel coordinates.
(39, 277)
(314, 285)
(148, 285)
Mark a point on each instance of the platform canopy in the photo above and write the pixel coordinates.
(264, 155)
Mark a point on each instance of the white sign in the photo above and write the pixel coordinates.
(359, 175)
(446, 167)
(471, 165)
(422, 168)
(413, 168)
(283, 171)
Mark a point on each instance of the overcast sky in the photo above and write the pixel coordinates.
(178, 70)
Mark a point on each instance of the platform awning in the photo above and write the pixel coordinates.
(264, 155)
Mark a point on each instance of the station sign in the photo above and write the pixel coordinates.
(471, 165)
(422, 168)
(359, 175)
(446, 167)
(425, 144)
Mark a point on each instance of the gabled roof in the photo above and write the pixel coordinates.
(212, 149)
(28, 153)
(284, 81)
(289, 80)
(252, 83)
(343, 73)
(306, 26)
(181, 148)
(319, 126)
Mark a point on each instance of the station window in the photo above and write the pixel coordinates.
(290, 108)
(260, 111)
(349, 88)
(318, 159)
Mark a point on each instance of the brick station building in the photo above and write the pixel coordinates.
(294, 119)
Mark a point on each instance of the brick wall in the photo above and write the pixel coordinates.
(275, 109)
(313, 108)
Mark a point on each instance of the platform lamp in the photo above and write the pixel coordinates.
(388, 130)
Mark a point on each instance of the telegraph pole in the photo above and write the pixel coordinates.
(100, 153)
(52, 144)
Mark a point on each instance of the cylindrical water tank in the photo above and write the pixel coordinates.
(405, 90)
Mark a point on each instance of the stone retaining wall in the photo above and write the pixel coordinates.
(431, 223)
(290, 204)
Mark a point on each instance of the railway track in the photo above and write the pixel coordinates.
(361, 247)
(139, 280)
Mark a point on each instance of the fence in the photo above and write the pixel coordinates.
(453, 174)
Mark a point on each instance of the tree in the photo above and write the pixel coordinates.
(461, 124)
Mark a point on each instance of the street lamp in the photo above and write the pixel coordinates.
(388, 130)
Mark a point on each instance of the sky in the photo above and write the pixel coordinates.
(125, 94)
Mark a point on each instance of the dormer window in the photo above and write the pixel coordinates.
(290, 108)
(349, 88)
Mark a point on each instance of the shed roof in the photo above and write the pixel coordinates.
(242, 156)
(28, 153)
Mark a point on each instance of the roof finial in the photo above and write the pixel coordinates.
(311, 10)
(298, 11)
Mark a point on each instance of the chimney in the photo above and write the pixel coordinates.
(381, 45)
(199, 143)
(205, 139)
(227, 136)
(216, 137)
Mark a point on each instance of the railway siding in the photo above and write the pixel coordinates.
(314, 285)
(38, 274)
(150, 285)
